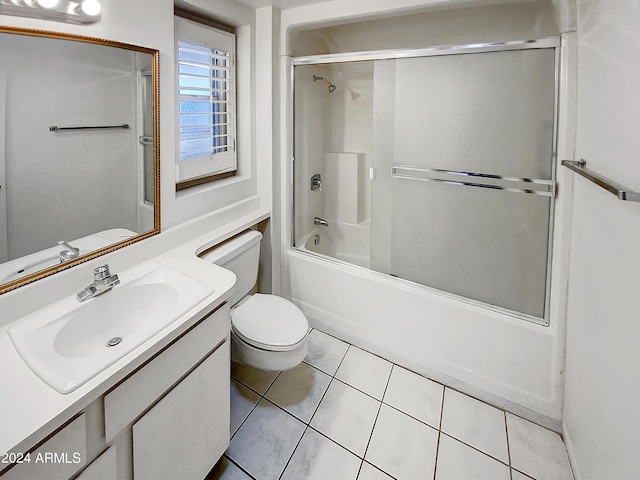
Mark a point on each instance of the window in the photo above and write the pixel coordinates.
(206, 103)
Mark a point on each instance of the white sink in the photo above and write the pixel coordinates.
(67, 343)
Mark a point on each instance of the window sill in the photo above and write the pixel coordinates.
(202, 180)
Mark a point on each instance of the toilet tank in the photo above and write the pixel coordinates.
(242, 256)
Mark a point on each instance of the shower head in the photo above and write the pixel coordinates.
(332, 88)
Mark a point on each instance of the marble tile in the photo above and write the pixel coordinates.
(369, 472)
(536, 451)
(458, 461)
(402, 446)
(346, 416)
(325, 352)
(475, 423)
(258, 380)
(415, 395)
(515, 475)
(243, 400)
(226, 470)
(265, 441)
(365, 372)
(299, 390)
(318, 458)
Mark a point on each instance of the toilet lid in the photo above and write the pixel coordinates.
(269, 322)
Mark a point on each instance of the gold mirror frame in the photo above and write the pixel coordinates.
(7, 287)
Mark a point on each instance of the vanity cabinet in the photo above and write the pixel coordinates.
(57, 458)
(168, 419)
(128, 400)
(102, 468)
(179, 437)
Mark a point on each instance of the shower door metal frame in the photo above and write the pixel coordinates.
(441, 50)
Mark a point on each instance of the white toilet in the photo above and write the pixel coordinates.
(268, 332)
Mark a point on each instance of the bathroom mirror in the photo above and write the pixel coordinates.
(79, 150)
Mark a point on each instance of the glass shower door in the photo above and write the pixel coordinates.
(472, 177)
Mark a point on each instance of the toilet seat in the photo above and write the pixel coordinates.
(269, 322)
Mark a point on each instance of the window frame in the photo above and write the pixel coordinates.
(199, 170)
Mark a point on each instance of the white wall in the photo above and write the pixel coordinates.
(457, 25)
(72, 184)
(337, 122)
(601, 419)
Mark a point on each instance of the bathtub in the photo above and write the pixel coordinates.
(503, 360)
(340, 241)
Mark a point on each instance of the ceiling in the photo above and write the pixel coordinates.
(280, 4)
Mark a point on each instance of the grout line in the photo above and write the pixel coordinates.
(506, 432)
(333, 377)
(474, 448)
(526, 475)
(362, 391)
(245, 418)
(256, 404)
(329, 335)
(435, 463)
(293, 453)
(377, 468)
(284, 410)
(334, 441)
(253, 389)
(239, 466)
(412, 417)
(308, 424)
(377, 415)
(272, 382)
(243, 421)
(315, 410)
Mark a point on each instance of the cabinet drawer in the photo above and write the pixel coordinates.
(188, 430)
(132, 397)
(58, 458)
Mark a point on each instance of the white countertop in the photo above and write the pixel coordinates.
(30, 409)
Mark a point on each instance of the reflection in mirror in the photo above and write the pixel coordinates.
(79, 166)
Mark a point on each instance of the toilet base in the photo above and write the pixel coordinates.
(243, 353)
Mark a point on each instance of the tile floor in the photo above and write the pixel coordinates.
(345, 414)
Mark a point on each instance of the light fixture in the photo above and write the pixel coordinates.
(48, 3)
(91, 8)
(69, 11)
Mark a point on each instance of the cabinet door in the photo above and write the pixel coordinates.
(58, 458)
(102, 468)
(132, 397)
(186, 432)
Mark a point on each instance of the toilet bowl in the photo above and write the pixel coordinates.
(267, 331)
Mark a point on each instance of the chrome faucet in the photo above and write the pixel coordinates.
(102, 282)
(320, 221)
(69, 252)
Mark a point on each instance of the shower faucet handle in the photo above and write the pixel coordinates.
(316, 182)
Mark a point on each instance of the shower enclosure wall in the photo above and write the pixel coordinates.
(435, 166)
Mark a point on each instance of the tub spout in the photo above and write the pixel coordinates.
(320, 221)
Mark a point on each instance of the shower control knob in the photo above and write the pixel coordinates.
(316, 182)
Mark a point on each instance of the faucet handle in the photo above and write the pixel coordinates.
(69, 248)
(101, 272)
